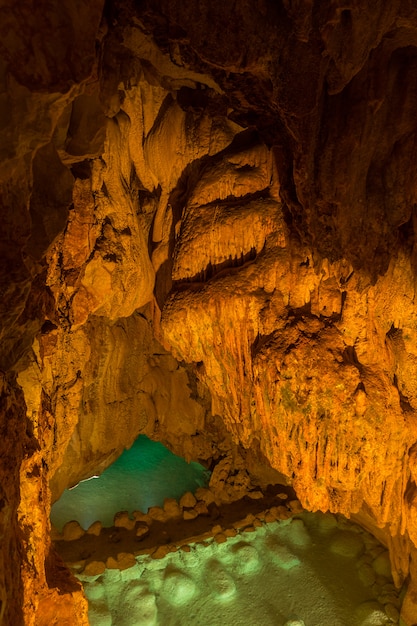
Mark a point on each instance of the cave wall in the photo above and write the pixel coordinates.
(207, 237)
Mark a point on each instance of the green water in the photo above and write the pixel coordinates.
(140, 478)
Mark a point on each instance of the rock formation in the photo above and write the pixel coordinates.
(208, 215)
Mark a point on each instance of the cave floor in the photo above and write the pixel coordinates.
(234, 568)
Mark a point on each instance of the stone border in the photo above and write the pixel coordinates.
(190, 507)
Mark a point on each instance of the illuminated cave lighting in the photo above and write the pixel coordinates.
(140, 478)
(313, 570)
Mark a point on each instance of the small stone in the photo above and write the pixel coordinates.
(257, 523)
(160, 552)
(95, 529)
(220, 538)
(201, 508)
(269, 518)
(125, 560)
(142, 531)
(370, 612)
(282, 496)
(142, 517)
(157, 513)
(249, 529)
(382, 565)
(188, 500)
(72, 531)
(282, 556)
(246, 521)
(230, 532)
(177, 587)
(205, 495)
(111, 563)
(94, 568)
(189, 514)
(172, 508)
(280, 512)
(217, 529)
(295, 506)
(255, 495)
(388, 598)
(392, 612)
(122, 520)
(185, 548)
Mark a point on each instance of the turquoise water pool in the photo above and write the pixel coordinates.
(140, 478)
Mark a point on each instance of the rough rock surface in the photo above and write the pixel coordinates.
(209, 240)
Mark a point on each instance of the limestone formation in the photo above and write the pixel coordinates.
(209, 240)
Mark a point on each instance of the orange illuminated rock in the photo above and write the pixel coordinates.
(72, 531)
(94, 568)
(95, 529)
(142, 530)
(188, 500)
(122, 520)
(172, 508)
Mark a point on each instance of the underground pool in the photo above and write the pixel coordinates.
(141, 477)
(276, 566)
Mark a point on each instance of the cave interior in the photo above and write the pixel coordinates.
(207, 239)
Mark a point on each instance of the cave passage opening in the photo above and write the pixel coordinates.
(142, 477)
